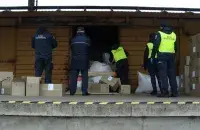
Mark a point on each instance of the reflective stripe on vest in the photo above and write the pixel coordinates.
(119, 54)
(150, 47)
(167, 42)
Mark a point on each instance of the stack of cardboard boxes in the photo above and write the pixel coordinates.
(31, 86)
(106, 85)
(191, 77)
(28, 86)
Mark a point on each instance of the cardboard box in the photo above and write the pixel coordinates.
(187, 60)
(18, 87)
(112, 82)
(6, 82)
(181, 84)
(195, 90)
(187, 85)
(99, 88)
(52, 90)
(186, 70)
(125, 89)
(32, 86)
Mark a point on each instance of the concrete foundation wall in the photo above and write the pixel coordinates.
(101, 123)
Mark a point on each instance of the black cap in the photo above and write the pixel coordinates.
(164, 24)
(42, 29)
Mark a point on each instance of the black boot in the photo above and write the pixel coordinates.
(174, 95)
(153, 93)
(164, 95)
(86, 94)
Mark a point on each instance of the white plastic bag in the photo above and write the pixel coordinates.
(99, 67)
(106, 57)
(79, 81)
(144, 83)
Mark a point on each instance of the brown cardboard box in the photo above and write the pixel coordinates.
(125, 89)
(113, 82)
(99, 88)
(52, 90)
(195, 90)
(187, 60)
(6, 87)
(6, 82)
(18, 87)
(32, 86)
(181, 84)
(193, 67)
(186, 84)
(186, 70)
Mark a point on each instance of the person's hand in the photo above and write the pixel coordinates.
(144, 67)
(151, 60)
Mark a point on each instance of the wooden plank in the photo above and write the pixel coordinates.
(136, 53)
(22, 43)
(32, 72)
(30, 60)
(7, 67)
(55, 77)
(133, 39)
(29, 67)
(137, 31)
(32, 53)
(133, 44)
(7, 43)
(26, 47)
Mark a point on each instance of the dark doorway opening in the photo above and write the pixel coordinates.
(102, 40)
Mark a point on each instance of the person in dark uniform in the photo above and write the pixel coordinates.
(43, 43)
(79, 61)
(120, 57)
(165, 48)
(151, 64)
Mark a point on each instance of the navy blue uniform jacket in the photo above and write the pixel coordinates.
(80, 51)
(43, 43)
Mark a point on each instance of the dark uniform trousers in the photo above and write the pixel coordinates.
(42, 64)
(153, 72)
(73, 80)
(122, 71)
(167, 72)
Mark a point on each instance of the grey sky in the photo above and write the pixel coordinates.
(152, 3)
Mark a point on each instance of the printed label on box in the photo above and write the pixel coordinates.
(194, 49)
(2, 90)
(193, 74)
(193, 86)
(50, 87)
(110, 78)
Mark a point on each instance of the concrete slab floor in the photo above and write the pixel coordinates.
(99, 98)
(94, 123)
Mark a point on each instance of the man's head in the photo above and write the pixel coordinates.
(42, 29)
(115, 46)
(164, 24)
(80, 30)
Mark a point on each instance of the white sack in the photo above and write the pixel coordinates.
(99, 67)
(106, 57)
(144, 83)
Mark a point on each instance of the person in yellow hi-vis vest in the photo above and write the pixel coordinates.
(165, 48)
(120, 57)
(151, 64)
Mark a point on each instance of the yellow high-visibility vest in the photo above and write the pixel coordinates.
(167, 42)
(119, 54)
(150, 47)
